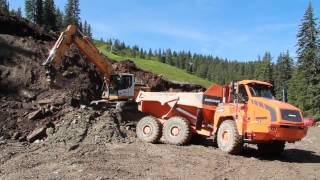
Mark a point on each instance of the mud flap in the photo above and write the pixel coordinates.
(199, 119)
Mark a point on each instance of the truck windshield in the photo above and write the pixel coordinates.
(260, 90)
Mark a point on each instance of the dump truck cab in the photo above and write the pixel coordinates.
(258, 115)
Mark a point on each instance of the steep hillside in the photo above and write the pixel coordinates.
(169, 72)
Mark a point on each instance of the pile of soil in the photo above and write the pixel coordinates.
(90, 127)
(26, 100)
(20, 27)
(31, 110)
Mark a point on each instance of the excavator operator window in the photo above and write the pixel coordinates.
(125, 82)
(242, 93)
(114, 84)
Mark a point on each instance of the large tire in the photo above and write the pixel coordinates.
(274, 148)
(149, 129)
(177, 131)
(228, 137)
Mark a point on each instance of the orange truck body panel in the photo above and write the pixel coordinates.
(258, 120)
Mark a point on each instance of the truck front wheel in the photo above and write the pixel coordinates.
(149, 129)
(177, 131)
(274, 148)
(228, 137)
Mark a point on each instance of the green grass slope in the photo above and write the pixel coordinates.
(156, 67)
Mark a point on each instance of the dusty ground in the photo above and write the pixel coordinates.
(157, 161)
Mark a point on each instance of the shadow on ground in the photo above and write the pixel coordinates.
(289, 155)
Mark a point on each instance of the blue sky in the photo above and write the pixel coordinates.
(231, 29)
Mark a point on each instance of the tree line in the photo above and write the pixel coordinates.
(299, 77)
(215, 69)
(5, 9)
(46, 14)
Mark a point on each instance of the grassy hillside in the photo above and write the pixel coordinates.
(169, 72)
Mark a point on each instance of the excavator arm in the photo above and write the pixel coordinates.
(72, 35)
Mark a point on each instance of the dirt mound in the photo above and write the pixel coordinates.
(88, 126)
(20, 27)
(26, 100)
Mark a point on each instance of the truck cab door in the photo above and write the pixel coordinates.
(242, 108)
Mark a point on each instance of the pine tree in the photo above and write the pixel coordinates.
(81, 26)
(76, 11)
(141, 54)
(202, 70)
(49, 15)
(4, 7)
(89, 31)
(159, 54)
(19, 12)
(149, 54)
(305, 82)
(30, 10)
(85, 27)
(282, 73)
(39, 12)
(72, 13)
(168, 56)
(264, 71)
(59, 19)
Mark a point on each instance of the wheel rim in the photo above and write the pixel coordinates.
(225, 136)
(146, 130)
(174, 131)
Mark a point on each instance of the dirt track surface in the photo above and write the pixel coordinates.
(157, 161)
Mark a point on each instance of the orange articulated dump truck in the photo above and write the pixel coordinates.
(234, 114)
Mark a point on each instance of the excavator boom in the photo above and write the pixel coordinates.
(74, 36)
(117, 87)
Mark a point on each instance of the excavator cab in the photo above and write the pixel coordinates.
(120, 87)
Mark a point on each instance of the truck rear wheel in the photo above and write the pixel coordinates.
(275, 148)
(149, 129)
(228, 137)
(177, 131)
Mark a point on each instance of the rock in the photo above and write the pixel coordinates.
(68, 74)
(22, 138)
(73, 147)
(19, 119)
(49, 131)
(54, 108)
(35, 115)
(82, 106)
(16, 135)
(74, 102)
(37, 141)
(2, 142)
(27, 94)
(45, 101)
(37, 134)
